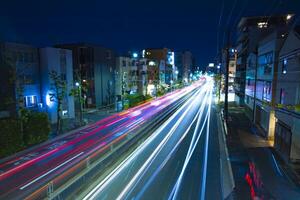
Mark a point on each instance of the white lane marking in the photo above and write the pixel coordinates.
(96, 190)
(42, 176)
(279, 171)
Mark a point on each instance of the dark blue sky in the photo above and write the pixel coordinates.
(131, 24)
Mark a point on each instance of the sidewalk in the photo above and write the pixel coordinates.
(258, 171)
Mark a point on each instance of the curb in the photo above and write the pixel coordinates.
(226, 174)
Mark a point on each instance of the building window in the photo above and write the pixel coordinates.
(133, 63)
(284, 66)
(265, 62)
(108, 55)
(282, 94)
(248, 81)
(30, 101)
(124, 63)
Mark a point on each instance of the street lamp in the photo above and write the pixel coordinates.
(77, 84)
(135, 55)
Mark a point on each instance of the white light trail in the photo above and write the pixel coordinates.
(193, 144)
(150, 159)
(173, 150)
(203, 185)
(92, 194)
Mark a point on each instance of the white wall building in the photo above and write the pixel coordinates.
(287, 131)
(59, 60)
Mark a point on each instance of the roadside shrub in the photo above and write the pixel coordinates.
(11, 140)
(135, 99)
(36, 128)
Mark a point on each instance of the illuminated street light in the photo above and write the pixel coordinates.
(176, 72)
(152, 63)
(211, 64)
(77, 84)
(135, 55)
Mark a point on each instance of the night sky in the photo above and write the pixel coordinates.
(132, 24)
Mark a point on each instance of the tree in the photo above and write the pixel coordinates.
(77, 91)
(58, 94)
(218, 80)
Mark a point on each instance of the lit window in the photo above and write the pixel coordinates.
(262, 24)
(30, 101)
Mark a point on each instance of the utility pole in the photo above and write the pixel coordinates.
(226, 76)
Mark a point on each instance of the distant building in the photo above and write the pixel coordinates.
(184, 64)
(94, 66)
(60, 61)
(131, 75)
(287, 98)
(251, 31)
(162, 61)
(19, 78)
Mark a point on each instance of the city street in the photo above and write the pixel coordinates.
(179, 161)
(29, 174)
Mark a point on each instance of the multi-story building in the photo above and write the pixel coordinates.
(94, 68)
(60, 61)
(184, 64)
(287, 129)
(251, 31)
(25, 80)
(19, 78)
(131, 75)
(162, 62)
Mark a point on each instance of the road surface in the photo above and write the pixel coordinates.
(180, 160)
(28, 174)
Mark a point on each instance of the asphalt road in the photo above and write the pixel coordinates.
(179, 161)
(29, 173)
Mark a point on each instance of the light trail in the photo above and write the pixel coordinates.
(132, 156)
(151, 158)
(193, 144)
(203, 185)
(201, 109)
